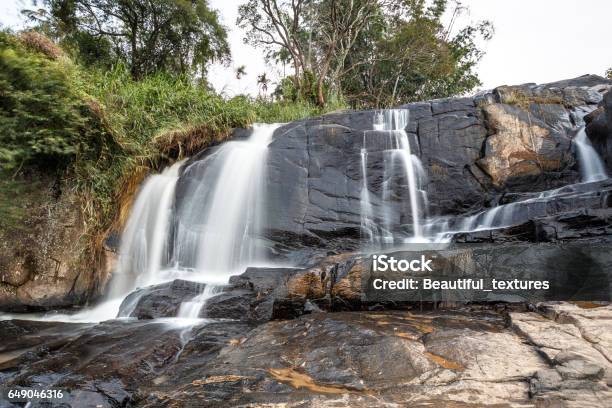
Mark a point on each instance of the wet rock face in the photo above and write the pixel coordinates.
(162, 300)
(558, 354)
(580, 211)
(577, 270)
(599, 129)
(513, 139)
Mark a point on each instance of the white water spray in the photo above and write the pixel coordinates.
(191, 308)
(144, 242)
(591, 165)
(219, 226)
(392, 123)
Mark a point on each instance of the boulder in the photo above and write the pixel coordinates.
(162, 300)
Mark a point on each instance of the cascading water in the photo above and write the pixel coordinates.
(367, 224)
(379, 224)
(391, 124)
(218, 226)
(191, 309)
(592, 170)
(144, 242)
(591, 165)
(207, 236)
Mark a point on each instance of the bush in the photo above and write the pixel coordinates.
(43, 118)
(105, 131)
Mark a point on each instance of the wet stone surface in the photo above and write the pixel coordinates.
(466, 358)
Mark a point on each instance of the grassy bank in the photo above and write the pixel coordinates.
(102, 131)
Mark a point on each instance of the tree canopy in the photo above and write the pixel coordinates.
(370, 52)
(174, 36)
(367, 53)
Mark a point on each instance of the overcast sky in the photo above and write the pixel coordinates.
(535, 41)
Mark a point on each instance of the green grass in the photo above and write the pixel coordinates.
(103, 130)
(161, 119)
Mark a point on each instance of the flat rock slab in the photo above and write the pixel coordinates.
(576, 340)
(466, 358)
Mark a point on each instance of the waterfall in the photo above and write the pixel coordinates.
(591, 165)
(236, 212)
(215, 227)
(144, 242)
(391, 124)
(191, 309)
(219, 225)
(367, 224)
(211, 233)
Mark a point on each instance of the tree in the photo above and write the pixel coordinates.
(262, 82)
(609, 73)
(408, 55)
(175, 36)
(317, 35)
(373, 52)
(240, 72)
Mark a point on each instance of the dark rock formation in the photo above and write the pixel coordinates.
(599, 129)
(573, 212)
(578, 270)
(162, 300)
(512, 139)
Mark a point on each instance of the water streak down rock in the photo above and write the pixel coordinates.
(474, 151)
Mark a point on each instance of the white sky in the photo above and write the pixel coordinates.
(535, 41)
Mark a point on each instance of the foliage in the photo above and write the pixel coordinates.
(162, 118)
(44, 119)
(609, 73)
(14, 196)
(370, 52)
(262, 82)
(316, 36)
(101, 128)
(240, 72)
(174, 36)
(412, 57)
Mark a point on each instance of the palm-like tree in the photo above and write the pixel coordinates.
(240, 72)
(262, 82)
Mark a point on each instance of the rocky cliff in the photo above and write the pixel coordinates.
(44, 261)
(496, 147)
(476, 151)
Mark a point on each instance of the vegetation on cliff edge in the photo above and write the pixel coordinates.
(101, 129)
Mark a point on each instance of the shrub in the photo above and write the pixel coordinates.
(105, 131)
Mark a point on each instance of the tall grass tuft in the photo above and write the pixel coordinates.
(112, 131)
